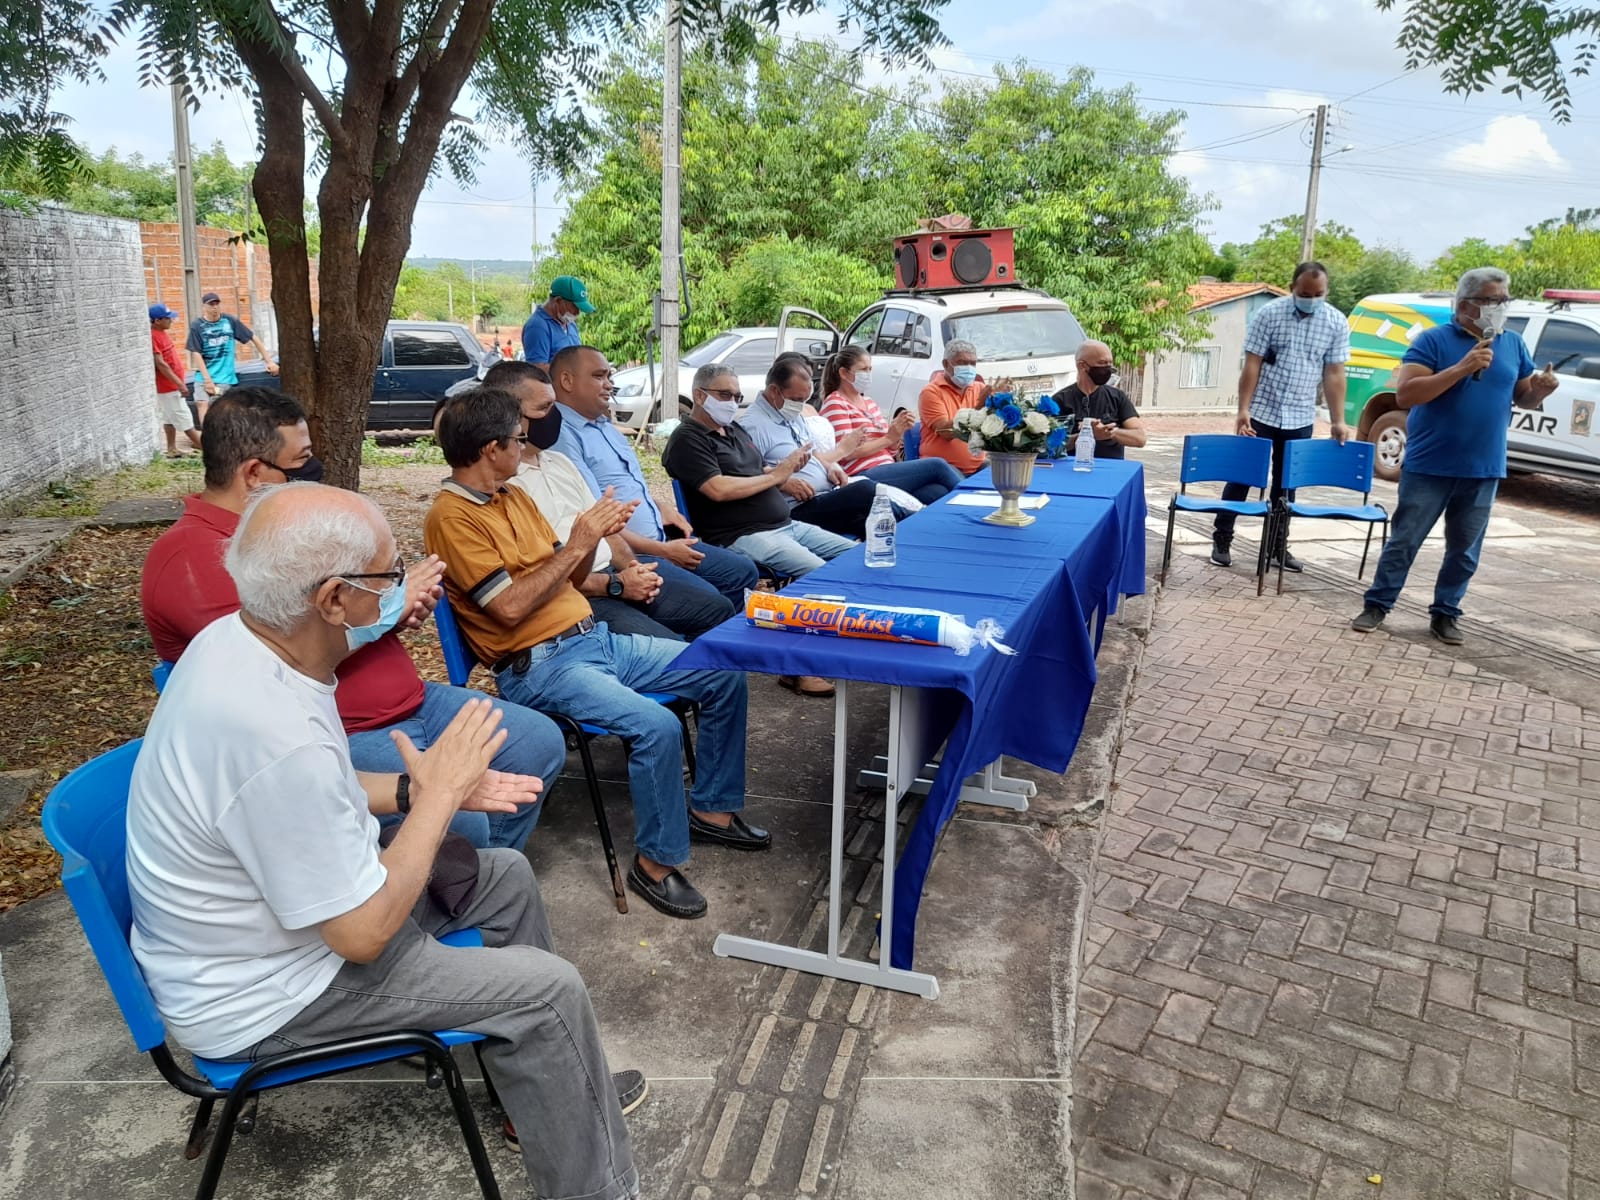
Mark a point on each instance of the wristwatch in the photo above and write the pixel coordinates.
(402, 795)
(614, 584)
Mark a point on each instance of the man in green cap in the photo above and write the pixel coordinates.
(554, 324)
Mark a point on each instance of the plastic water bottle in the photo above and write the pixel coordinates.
(880, 532)
(1083, 457)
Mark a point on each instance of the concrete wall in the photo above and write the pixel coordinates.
(1165, 373)
(77, 386)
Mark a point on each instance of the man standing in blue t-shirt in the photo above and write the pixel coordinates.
(212, 337)
(1459, 381)
(554, 324)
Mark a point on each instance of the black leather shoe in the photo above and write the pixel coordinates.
(736, 834)
(1446, 630)
(674, 895)
(1220, 552)
(631, 1088)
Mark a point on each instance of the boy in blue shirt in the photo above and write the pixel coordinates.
(211, 349)
(1459, 382)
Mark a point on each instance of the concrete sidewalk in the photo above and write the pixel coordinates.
(1345, 939)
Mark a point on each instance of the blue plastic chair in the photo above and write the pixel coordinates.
(911, 447)
(160, 673)
(459, 662)
(1224, 458)
(1323, 462)
(85, 819)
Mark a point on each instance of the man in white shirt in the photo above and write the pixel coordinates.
(632, 594)
(265, 916)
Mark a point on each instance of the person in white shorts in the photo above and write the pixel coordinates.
(172, 399)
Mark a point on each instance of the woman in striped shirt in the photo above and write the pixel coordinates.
(849, 410)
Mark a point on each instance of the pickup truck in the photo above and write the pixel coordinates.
(421, 359)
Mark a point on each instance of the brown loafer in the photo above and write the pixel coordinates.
(806, 685)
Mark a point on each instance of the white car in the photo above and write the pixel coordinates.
(1021, 334)
(748, 351)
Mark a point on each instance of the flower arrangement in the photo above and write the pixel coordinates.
(1012, 423)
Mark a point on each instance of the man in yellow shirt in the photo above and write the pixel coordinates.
(512, 584)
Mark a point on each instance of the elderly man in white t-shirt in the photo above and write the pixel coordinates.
(265, 915)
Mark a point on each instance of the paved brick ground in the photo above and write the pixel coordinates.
(1347, 920)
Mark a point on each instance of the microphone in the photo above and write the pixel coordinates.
(1478, 374)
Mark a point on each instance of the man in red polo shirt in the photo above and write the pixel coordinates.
(256, 437)
(172, 397)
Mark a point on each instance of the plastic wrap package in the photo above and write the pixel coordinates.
(832, 617)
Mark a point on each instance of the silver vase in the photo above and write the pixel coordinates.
(1012, 474)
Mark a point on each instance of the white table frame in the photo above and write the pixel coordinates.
(906, 769)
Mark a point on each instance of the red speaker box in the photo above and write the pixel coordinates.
(970, 258)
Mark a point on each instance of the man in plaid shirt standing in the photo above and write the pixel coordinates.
(1293, 344)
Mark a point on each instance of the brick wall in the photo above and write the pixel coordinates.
(77, 387)
(225, 268)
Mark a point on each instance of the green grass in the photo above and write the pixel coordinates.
(86, 497)
(422, 451)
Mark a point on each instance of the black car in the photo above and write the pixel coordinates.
(421, 359)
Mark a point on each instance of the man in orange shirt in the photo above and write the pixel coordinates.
(956, 387)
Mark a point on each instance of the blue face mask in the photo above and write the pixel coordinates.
(1308, 304)
(964, 376)
(391, 607)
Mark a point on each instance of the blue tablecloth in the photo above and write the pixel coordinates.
(1118, 480)
(1039, 583)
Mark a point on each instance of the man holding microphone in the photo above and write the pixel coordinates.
(1460, 382)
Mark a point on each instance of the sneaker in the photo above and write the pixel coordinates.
(1446, 630)
(1371, 617)
(1220, 553)
(1290, 563)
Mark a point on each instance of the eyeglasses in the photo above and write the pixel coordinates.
(1488, 300)
(396, 578)
(518, 437)
(725, 394)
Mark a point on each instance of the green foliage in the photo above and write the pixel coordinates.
(131, 187)
(1354, 270)
(40, 46)
(1532, 45)
(446, 293)
(796, 176)
(1562, 252)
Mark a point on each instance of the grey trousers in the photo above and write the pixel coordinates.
(543, 1045)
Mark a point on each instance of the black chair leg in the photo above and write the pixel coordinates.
(682, 709)
(197, 1130)
(1166, 551)
(220, 1142)
(468, 1121)
(1261, 555)
(1366, 549)
(593, 778)
(488, 1080)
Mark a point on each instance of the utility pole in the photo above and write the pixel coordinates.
(1308, 230)
(188, 241)
(671, 229)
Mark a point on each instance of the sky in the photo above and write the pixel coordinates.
(1406, 165)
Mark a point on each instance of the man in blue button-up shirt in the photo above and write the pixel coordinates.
(819, 493)
(605, 457)
(1459, 382)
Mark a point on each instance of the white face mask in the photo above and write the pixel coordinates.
(794, 408)
(863, 378)
(1492, 318)
(721, 411)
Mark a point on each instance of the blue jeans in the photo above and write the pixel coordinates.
(794, 549)
(1239, 491)
(597, 677)
(730, 572)
(925, 478)
(533, 746)
(688, 603)
(1465, 506)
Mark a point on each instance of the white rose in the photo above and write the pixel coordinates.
(1017, 439)
(975, 444)
(993, 425)
(965, 418)
(1036, 422)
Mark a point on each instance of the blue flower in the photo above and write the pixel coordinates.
(999, 399)
(1011, 415)
(1056, 441)
(1048, 407)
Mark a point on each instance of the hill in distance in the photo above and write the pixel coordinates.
(485, 266)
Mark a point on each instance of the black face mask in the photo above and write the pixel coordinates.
(309, 471)
(1099, 375)
(544, 432)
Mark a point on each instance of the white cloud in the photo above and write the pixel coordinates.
(1509, 144)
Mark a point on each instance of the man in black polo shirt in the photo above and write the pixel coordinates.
(1108, 410)
(734, 500)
